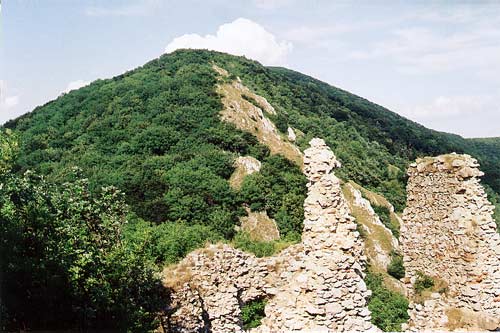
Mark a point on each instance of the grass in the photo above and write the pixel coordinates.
(389, 309)
(261, 249)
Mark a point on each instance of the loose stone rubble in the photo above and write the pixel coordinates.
(315, 285)
(448, 233)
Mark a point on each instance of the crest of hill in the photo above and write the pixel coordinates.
(134, 129)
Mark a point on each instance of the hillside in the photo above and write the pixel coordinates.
(124, 130)
(170, 136)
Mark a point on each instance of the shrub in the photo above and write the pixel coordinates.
(388, 308)
(260, 249)
(64, 261)
(423, 282)
(395, 267)
(385, 217)
(252, 313)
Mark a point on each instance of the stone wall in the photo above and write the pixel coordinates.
(324, 288)
(448, 233)
(315, 285)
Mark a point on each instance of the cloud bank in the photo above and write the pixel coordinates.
(6, 102)
(241, 37)
(76, 85)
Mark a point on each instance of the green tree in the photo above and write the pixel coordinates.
(64, 263)
(389, 309)
(8, 149)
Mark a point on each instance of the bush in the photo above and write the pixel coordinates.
(388, 308)
(64, 262)
(395, 267)
(279, 189)
(423, 282)
(167, 243)
(243, 242)
(252, 313)
(385, 217)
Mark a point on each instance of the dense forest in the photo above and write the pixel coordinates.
(107, 184)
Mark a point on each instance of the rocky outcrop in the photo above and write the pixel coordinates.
(243, 166)
(448, 233)
(315, 285)
(259, 226)
(379, 240)
(247, 111)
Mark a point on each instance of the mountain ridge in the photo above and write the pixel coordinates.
(304, 103)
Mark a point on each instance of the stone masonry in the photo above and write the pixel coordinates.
(316, 285)
(448, 233)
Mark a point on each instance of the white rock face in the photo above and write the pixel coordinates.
(313, 286)
(249, 164)
(291, 134)
(448, 233)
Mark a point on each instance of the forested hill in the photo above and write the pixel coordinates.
(124, 130)
(129, 174)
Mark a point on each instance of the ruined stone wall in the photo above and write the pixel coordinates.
(448, 233)
(324, 289)
(315, 285)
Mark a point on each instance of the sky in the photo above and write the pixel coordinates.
(434, 62)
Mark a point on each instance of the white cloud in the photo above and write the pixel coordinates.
(240, 37)
(452, 106)
(6, 101)
(76, 85)
(463, 38)
(471, 116)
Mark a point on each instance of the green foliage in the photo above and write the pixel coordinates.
(64, 264)
(8, 149)
(423, 282)
(261, 249)
(385, 217)
(280, 189)
(494, 198)
(388, 308)
(155, 134)
(395, 267)
(252, 313)
(167, 243)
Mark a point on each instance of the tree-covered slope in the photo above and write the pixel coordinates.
(147, 129)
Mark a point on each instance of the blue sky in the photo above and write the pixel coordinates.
(435, 62)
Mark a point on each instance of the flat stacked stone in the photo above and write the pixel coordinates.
(324, 290)
(448, 233)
